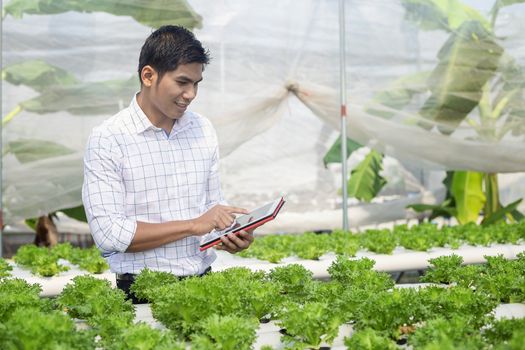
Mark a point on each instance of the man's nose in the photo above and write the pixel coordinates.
(190, 93)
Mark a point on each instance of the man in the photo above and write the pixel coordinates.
(151, 184)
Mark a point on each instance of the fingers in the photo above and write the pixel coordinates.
(234, 243)
(224, 220)
(225, 216)
(219, 218)
(236, 210)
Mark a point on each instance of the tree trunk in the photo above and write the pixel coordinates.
(46, 232)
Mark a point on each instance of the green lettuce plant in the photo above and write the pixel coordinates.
(5, 268)
(308, 325)
(92, 299)
(225, 333)
(28, 328)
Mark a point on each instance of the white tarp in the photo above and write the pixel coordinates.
(271, 91)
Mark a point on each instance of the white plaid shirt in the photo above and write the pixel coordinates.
(134, 171)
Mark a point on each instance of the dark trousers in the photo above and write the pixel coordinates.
(124, 282)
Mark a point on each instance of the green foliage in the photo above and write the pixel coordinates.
(387, 311)
(447, 15)
(459, 301)
(358, 274)
(311, 246)
(343, 243)
(39, 260)
(378, 241)
(500, 279)
(419, 237)
(468, 194)
(45, 262)
(456, 330)
(503, 330)
(294, 280)
(398, 94)
(225, 333)
(369, 339)
(237, 291)
(153, 13)
(73, 99)
(334, 153)
(89, 259)
(148, 282)
(77, 213)
(30, 150)
(62, 251)
(365, 181)
(503, 279)
(308, 325)
(502, 3)
(15, 293)
(5, 268)
(443, 269)
(93, 299)
(32, 329)
(501, 213)
(272, 248)
(38, 75)
(467, 61)
(141, 336)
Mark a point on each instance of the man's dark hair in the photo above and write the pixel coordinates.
(170, 46)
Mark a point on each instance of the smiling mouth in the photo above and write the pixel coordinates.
(182, 105)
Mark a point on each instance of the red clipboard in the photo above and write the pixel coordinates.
(249, 221)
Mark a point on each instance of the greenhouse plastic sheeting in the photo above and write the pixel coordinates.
(433, 88)
(401, 260)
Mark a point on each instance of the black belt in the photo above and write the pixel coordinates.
(131, 276)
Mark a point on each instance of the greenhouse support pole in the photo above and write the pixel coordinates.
(1, 139)
(342, 76)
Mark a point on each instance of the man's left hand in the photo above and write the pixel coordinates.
(234, 243)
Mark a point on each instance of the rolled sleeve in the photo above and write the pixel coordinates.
(103, 195)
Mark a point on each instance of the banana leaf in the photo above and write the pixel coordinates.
(399, 94)
(445, 209)
(467, 61)
(501, 213)
(468, 195)
(92, 98)
(334, 153)
(365, 181)
(152, 13)
(29, 150)
(77, 213)
(502, 3)
(441, 14)
(509, 101)
(38, 75)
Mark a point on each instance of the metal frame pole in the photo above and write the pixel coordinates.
(342, 76)
(1, 138)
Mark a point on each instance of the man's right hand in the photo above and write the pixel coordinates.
(218, 218)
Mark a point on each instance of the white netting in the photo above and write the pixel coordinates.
(271, 91)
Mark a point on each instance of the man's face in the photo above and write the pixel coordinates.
(176, 89)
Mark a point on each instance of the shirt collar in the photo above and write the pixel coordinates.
(142, 123)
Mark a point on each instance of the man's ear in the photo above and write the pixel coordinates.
(149, 76)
